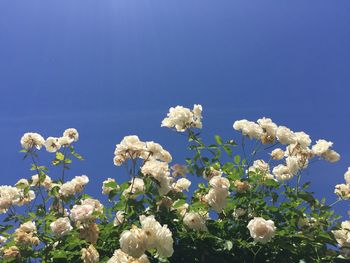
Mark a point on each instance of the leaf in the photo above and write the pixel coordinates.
(218, 139)
(179, 203)
(237, 159)
(59, 156)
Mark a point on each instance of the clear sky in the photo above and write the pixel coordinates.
(112, 68)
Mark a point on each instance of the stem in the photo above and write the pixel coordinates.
(39, 183)
(255, 254)
(298, 184)
(336, 202)
(63, 164)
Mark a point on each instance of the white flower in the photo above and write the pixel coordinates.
(150, 226)
(181, 185)
(133, 242)
(52, 144)
(72, 134)
(98, 207)
(22, 183)
(119, 218)
(211, 172)
(331, 156)
(285, 135)
(239, 212)
(136, 185)
(120, 257)
(282, 172)
(2, 240)
(217, 198)
(179, 170)
(292, 164)
(155, 151)
(321, 147)
(32, 139)
(28, 227)
(268, 126)
(183, 118)
(8, 196)
(156, 169)
(82, 213)
(343, 234)
(195, 221)
(61, 226)
(220, 183)
(342, 190)
(302, 139)
(47, 183)
(261, 230)
(347, 176)
(80, 182)
(106, 189)
(90, 255)
(67, 189)
(260, 165)
(65, 141)
(129, 148)
(277, 154)
(164, 243)
(249, 128)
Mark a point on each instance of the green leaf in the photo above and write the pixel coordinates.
(218, 139)
(237, 159)
(59, 156)
(179, 203)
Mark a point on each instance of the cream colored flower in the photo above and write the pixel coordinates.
(249, 128)
(331, 156)
(241, 186)
(90, 255)
(342, 190)
(164, 242)
(72, 134)
(52, 144)
(261, 230)
(343, 234)
(119, 218)
(182, 118)
(302, 139)
(285, 135)
(129, 148)
(106, 189)
(31, 139)
(282, 172)
(321, 147)
(179, 170)
(181, 185)
(195, 221)
(347, 176)
(82, 213)
(150, 226)
(61, 226)
(136, 185)
(11, 252)
(65, 141)
(120, 257)
(277, 154)
(47, 183)
(217, 199)
(133, 242)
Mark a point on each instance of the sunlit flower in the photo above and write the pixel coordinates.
(61, 226)
(90, 255)
(195, 221)
(261, 230)
(133, 242)
(32, 139)
(72, 134)
(52, 144)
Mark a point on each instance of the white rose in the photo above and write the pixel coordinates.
(61, 226)
(133, 242)
(261, 230)
(195, 221)
(285, 135)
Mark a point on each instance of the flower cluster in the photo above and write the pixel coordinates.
(240, 211)
(297, 153)
(151, 235)
(182, 118)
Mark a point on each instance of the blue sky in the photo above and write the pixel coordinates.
(113, 68)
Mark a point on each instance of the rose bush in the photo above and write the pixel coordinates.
(244, 209)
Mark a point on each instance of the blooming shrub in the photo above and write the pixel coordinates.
(244, 209)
